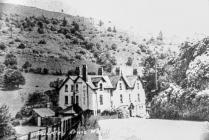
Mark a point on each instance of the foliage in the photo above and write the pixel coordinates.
(13, 78)
(91, 122)
(10, 59)
(2, 46)
(129, 61)
(26, 65)
(5, 126)
(36, 98)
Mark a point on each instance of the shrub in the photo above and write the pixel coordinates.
(15, 123)
(2, 46)
(26, 65)
(91, 123)
(41, 31)
(43, 41)
(21, 46)
(17, 40)
(134, 43)
(45, 71)
(109, 29)
(5, 125)
(114, 47)
(10, 59)
(129, 62)
(38, 70)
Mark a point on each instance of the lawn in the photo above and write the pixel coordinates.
(15, 98)
(152, 129)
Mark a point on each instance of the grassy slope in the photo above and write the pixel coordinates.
(57, 45)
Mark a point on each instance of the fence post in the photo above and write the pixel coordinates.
(56, 135)
(39, 135)
(46, 135)
(52, 132)
(60, 133)
(29, 135)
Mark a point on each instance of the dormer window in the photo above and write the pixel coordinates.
(100, 86)
(120, 86)
(66, 88)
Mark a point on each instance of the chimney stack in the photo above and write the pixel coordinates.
(77, 71)
(100, 71)
(117, 71)
(85, 75)
(135, 72)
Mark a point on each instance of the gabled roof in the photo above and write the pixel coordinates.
(96, 78)
(44, 112)
(114, 80)
(131, 80)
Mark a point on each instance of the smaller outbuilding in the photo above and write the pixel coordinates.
(40, 113)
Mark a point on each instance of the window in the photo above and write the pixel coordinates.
(66, 100)
(138, 85)
(138, 97)
(120, 86)
(76, 87)
(72, 100)
(72, 88)
(100, 86)
(111, 94)
(130, 97)
(101, 99)
(77, 100)
(84, 97)
(66, 88)
(121, 98)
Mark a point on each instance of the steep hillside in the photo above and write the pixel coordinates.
(59, 42)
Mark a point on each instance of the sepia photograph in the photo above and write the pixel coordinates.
(104, 69)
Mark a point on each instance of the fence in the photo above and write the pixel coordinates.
(64, 130)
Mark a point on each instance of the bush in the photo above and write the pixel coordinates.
(129, 62)
(21, 46)
(2, 46)
(10, 59)
(26, 65)
(91, 123)
(114, 47)
(17, 40)
(45, 71)
(15, 123)
(41, 31)
(5, 125)
(109, 29)
(43, 41)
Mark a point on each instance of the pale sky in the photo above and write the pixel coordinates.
(174, 17)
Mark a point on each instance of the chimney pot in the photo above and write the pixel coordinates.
(100, 71)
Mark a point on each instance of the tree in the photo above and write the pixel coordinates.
(5, 126)
(13, 78)
(160, 36)
(56, 84)
(129, 62)
(10, 60)
(26, 65)
(64, 22)
(37, 98)
(114, 29)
